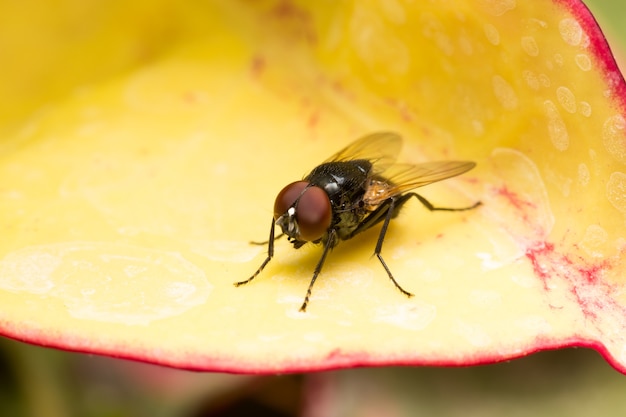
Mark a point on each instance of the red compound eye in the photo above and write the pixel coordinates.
(287, 197)
(313, 214)
(313, 210)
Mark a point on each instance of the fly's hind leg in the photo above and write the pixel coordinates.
(430, 207)
(394, 204)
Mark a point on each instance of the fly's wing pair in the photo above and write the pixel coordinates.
(382, 150)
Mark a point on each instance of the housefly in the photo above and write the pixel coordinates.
(353, 190)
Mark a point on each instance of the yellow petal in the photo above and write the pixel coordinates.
(127, 206)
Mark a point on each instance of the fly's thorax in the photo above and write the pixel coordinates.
(343, 181)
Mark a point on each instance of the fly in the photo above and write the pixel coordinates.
(353, 190)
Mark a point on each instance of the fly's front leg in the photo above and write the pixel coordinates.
(265, 242)
(332, 236)
(270, 254)
(394, 206)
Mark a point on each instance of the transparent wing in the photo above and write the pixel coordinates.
(381, 148)
(400, 178)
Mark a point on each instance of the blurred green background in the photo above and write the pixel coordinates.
(40, 382)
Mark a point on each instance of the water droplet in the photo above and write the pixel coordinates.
(613, 137)
(492, 34)
(585, 108)
(595, 237)
(583, 174)
(497, 7)
(571, 32)
(566, 98)
(616, 191)
(531, 79)
(583, 62)
(529, 45)
(504, 93)
(556, 126)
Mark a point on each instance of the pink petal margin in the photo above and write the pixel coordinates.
(599, 47)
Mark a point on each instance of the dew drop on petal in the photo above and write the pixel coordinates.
(413, 316)
(497, 7)
(544, 80)
(107, 282)
(531, 79)
(616, 191)
(571, 32)
(583, 174)
(529, 45)
(613, 137)
(504, 93)
(474, 333)
(479, 127)
(556, 127)
(595, 237)
(585, 108)
(32, 274)
(558, 60)
(566, 98)
(492, 34)
(583, 62)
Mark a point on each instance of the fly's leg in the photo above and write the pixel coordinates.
(265, 242)
(394, 206)
(270, 254)
(327, 246)
(430, 207)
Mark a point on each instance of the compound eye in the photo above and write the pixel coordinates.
(313, 214)
(287, 196)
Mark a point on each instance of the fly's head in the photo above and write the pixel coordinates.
(303, 211)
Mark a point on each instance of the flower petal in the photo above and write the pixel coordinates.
(127, 207)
